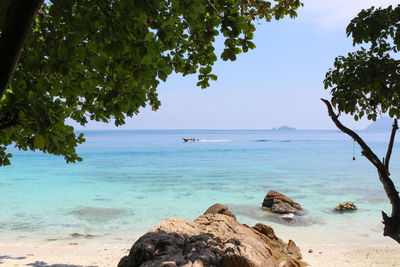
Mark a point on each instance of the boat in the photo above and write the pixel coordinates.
(190, 139)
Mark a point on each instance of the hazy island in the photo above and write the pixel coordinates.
(381, 125)
(284, 128)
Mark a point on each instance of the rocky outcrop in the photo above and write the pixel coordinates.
(219, 209)
(346, 206)
(213, 239)
(279, 203)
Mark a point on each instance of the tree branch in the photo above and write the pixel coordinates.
(390, 146)
(8, 124)
(392, 224)
(17, 27)
(8, 121)
(366, 151)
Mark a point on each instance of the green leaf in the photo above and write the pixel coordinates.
(39, 141)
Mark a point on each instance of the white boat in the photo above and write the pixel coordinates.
(190, 139)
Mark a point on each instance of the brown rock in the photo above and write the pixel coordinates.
(219, 209)
(213, 239)
(76, 235)
(280, 203)
(294, 250)
(266, 230)
(346, 206)
(283, 207)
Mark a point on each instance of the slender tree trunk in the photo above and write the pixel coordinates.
(18, 22)
(392, 223)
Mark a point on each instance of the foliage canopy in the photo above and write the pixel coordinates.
(103, 60)
(367, 81)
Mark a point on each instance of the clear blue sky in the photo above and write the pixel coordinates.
(278, 83)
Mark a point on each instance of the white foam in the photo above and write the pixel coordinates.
(288, 215)
(221, 140)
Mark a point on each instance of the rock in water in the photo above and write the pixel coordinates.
(279, 203)
(213, 239)
(346, 206)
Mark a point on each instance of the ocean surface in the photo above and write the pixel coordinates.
(130, 180)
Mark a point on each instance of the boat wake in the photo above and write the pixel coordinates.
(216, 140)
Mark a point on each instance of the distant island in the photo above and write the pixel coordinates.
(382, 125)
(284, 128)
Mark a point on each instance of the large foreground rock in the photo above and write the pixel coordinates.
(279, 203)
(213, 239)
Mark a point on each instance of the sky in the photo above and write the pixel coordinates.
(278, 83)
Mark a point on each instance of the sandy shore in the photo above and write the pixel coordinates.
(94, 253)
(63, 254)
(346, 255)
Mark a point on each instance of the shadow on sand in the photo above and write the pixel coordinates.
(43, 264)
(38, 263)
(6, 257)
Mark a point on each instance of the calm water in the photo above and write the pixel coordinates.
(129, 180)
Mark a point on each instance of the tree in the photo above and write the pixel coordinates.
(103, 60)
(367, 83)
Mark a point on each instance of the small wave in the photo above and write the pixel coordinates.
(216, 140)
(262, 140)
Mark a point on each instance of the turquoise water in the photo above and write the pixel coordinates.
(130, 180)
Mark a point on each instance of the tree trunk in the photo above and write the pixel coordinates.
(392, 223)
(15, 31)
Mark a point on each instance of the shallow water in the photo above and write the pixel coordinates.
(129, 180)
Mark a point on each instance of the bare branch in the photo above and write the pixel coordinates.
(366, 151)
(390, 146)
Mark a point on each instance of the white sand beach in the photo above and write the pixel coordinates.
(70, 253)
(354, 255)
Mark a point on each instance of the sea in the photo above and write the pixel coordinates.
(131, 179)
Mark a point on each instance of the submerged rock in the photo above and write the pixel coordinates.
(289, 217)
(94, 214)
(77, 235)
(279, 203)
(346, 206)
(213, 239)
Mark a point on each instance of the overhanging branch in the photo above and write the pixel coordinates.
(17, 27)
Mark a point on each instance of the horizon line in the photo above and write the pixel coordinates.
(209, 129)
